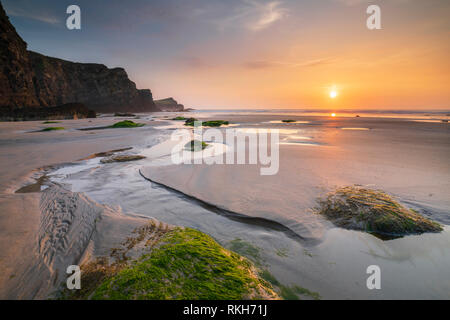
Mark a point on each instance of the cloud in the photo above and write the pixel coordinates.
(263, 64)
(358, 2)
(268, 14)
(253, 15)
(352, 2)
(38, 16)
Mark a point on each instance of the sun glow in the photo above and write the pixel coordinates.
(333, 94)
(333, 114)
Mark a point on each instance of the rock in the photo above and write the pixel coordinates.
(66, 111)
(195, 145)
(169, 104)
(31, 80)
(373, 211)
(122, 158)
(210, 123)
(118, 114)
(16, 75)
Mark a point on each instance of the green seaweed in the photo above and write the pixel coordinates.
(127, 124)
(126, 114)
(288, 292)
(283, 253)
(195, 145)
(48, 122)
(187, 265)
(296, 292)
(179, 118)
(52, 129)
(190, 121)
(373, 211)
(211, 123)
(246, 249)
(266, 275)
(307, 253)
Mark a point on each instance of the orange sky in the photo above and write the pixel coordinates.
(258, 53)
(404, 66)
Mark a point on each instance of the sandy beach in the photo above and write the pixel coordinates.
(232, 203)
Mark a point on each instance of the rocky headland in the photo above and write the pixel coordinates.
(31, 83)
(169, 104)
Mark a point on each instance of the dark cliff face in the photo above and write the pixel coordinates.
(169, 104)
(16, 81)
(29, 79)
(99, 88)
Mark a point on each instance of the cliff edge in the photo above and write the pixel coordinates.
(169, 104)
(32, 80)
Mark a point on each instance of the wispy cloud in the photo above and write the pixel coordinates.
(254, 15)
(352, 2)
(262, 64)
(268, 14)
(38, 16)
(357, 2)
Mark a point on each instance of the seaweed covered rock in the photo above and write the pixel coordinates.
(373, 211)
(212, 123)
(122, 158)
(195, 145)
(182, 264)
(127, 124)
(51, 129)
(179, 118)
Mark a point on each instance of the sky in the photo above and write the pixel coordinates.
(261, 54)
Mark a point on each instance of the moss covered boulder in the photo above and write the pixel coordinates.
(186, 264)
(373, 211)
(127, 124)
(195, 145)
(52, 129)
(212, 123)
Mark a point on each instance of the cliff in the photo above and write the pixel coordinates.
(16, 76)
(98, 87)
(31, 80)
(168, 104)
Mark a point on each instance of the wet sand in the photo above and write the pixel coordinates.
(405, 158)
(23, 153)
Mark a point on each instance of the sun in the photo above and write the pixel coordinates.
(333, 114)
(333, 94)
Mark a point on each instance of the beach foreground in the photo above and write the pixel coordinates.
(268, 219)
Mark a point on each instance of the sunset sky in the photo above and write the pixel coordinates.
(257, 54)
